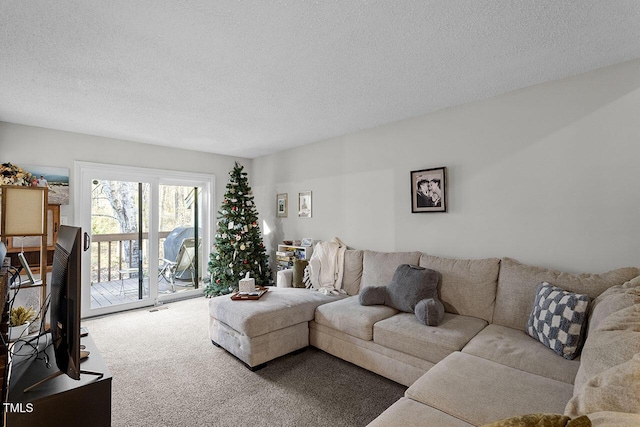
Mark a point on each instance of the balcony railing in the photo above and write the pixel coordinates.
(113, 253)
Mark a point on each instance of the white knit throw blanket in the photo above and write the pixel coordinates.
(326, 267)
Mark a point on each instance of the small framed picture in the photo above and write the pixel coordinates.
(282, 205)
(429, 190)
(304, 204)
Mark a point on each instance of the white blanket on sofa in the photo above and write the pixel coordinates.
(326, 267)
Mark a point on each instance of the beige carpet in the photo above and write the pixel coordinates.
(166, 372)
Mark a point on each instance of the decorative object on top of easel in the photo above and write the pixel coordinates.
(282, 205)
(238, 248)
(248, 284)
(11, 174)
(304, 204)
(19, 319)
(428, 190)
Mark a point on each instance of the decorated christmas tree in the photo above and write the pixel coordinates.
(238, 246)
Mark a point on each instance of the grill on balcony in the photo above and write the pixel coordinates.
(172, 247)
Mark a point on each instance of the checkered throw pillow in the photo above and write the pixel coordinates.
(557, 319)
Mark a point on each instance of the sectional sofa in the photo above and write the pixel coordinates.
(478, 366)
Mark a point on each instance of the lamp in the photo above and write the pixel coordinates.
(24, 213)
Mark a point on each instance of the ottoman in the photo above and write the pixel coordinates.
(256, 331)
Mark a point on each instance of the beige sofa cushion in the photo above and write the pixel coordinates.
(614, 299)
(352, 271)
(614, 419)
(480, 391)
(616, 389)
(406, 412)
(614, 341)
(399, 367)
(404, 333)
(350, 317)
(467, 286)
(378, 267)
(277, 309)
(515, 348)
(517, 285)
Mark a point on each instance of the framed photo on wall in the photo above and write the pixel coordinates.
(429, 190)
(304, 204)
(282, 205)
(56, 179)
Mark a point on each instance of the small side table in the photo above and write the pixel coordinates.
(128, 271)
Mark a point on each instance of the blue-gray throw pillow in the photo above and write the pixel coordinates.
(558, 319)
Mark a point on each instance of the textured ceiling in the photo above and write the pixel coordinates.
(249, 78)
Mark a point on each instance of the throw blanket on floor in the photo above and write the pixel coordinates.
(326, 267)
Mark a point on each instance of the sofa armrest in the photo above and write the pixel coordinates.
(284, 278)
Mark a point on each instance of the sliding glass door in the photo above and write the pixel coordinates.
(180, 249)
(119, 249)
(148, 230)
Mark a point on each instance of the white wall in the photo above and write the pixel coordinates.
(28, 145)
(547, 175)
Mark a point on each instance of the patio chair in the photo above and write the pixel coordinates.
(185, 261)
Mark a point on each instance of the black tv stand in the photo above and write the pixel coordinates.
(57, 374)
(57, 400)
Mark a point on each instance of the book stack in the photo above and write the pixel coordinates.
(287, 255)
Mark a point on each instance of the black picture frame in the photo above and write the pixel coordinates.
(429, 190)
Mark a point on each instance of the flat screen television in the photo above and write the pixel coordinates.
(64, 305)
(64, 312)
